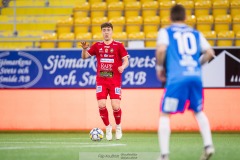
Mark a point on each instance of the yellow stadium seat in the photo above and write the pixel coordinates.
(151, 39)
(65, 40)
(82, 25)
(164, 8)
(149, 8)
(94, 1)
(163, 0)
(151, 24)
(165, 21)
(6, 33)
(189, 6)
(132, 9)
(115, 9)
(211, 37)
(110, 1)
(37, 11)
(124, 1)
(36, 26)
(64, 25)
(136, 40)
(97, 36)
(120, 36)
(234, 7)
(143, 1)
(236, 23)
(225, 38)
(48, 40)
(191, 20)
(237, 42)
(83, 37)
(96, 24)
(220, 7)
(5, 18)
(118, 23)
(27, 3)
(136, 36)
(204, 23)
(98, 9)
(65, 3)
(30, 33)
(222, 23)
(81, 10)
(202, 7)
(134, 24)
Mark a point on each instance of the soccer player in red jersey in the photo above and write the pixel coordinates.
(112, 59)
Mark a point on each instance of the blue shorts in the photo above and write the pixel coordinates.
(178, 94)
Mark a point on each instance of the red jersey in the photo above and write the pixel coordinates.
(109, 58)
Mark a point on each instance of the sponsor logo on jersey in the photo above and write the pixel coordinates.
(107, 60)
(106, 46)
(111, 50)
(118, 90)
(106, 66)
(106, 50)
(99, 89)
(105, 55)
(100, 50)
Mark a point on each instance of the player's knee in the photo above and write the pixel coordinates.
(115, 105)
(101, 104)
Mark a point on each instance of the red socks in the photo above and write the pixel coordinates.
(117, 115)
(104, 115)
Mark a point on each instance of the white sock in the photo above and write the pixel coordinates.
(164, 134)
(204, 128)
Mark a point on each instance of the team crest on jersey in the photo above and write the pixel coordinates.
(99, 89)
(111, 50)
(118, 90)
(106, 50)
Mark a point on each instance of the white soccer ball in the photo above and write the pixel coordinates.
(96, 134)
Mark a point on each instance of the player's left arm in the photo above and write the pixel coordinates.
(208, 52)
(124, 64)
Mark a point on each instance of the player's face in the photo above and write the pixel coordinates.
(107, 33)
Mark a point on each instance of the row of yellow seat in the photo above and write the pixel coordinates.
(72, 2)
(130, 8)
(150, 24)
(223, 38)
(83, 23)
(130, 24)
(43, 3)
(151, 8)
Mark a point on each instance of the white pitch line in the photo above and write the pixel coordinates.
(46, 139)
(47, 147)
(41, 142)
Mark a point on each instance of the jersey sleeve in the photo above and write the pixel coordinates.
(123, 51)
(92, 50)
(162, 37)
(204, 43)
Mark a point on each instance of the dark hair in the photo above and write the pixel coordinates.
(178, 13)
(107, 24)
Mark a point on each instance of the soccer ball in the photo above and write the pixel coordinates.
(96, 134)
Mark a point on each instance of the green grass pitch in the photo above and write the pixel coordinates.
(139, 146)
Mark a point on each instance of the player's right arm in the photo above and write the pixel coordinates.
(162, 43)
(85, 53)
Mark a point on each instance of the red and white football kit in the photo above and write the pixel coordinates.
(109, 58)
